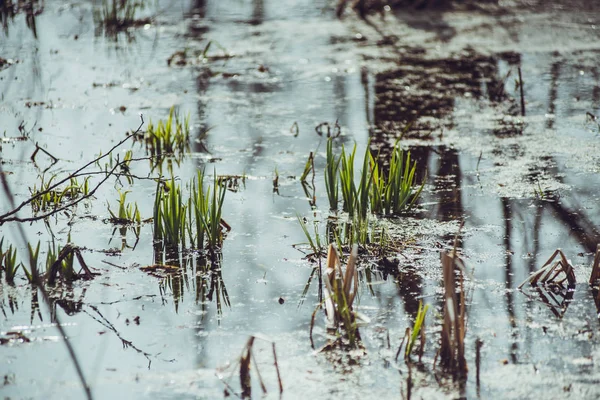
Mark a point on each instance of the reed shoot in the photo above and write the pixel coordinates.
(314, 243)
(32, 273)
(347, 181)
(127, 213)
(395, 193)
(168, 137)
(331, 176)
(9, 264)
(308, 167)
(211, 218)
(421, 313)
(169, 215)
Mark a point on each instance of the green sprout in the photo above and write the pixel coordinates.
(416, 328)
(127, 213)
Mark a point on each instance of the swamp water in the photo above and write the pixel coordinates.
(524, 186)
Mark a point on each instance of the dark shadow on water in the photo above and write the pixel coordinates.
(9, 9)
(430, 20)
(508, 278)
(578, 224)
(417, 99)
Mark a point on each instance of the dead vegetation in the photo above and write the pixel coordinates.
(245, 362)
(340, 290)
(66, 255)
(554, 272)
(595, 275)
(452, 350)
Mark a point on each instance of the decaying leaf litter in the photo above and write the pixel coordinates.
(522, 192)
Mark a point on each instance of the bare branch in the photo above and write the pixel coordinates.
(11, 215)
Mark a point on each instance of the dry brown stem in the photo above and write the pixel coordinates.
(554, 272)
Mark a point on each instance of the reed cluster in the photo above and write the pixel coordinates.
(127, 213)
(59, 262)
(197, 218)
(170, 137)
(46, 197)
(382, 192)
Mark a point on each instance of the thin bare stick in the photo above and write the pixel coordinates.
(84, 266)
(277, 369)
(260, 379)
(38, 148)
(406, 334)
(312, 325)
(522, 96)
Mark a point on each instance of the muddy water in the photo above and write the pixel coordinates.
(524, 185)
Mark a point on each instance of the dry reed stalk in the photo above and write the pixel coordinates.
(452, 351)
(595, 276)
(339, 291)
(245, 362)
(550, 272)
(64, 253)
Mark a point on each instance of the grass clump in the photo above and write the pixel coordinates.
(45, 198)
(206, 208)
(396, 191)
(169, 215)
(388, 193)
(8, 261)
(127, 213)
(170, 137)
(199, 217)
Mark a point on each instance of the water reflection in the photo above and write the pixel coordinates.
(411, 96)
(194, 272)
(508, 278)
(9, 9)
(506, 234)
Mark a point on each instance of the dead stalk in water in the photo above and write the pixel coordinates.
(595, 276)
(245, 361)
(68, 250)
(550, 272)
(521, 91)
(452, 351)
(340, 291)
